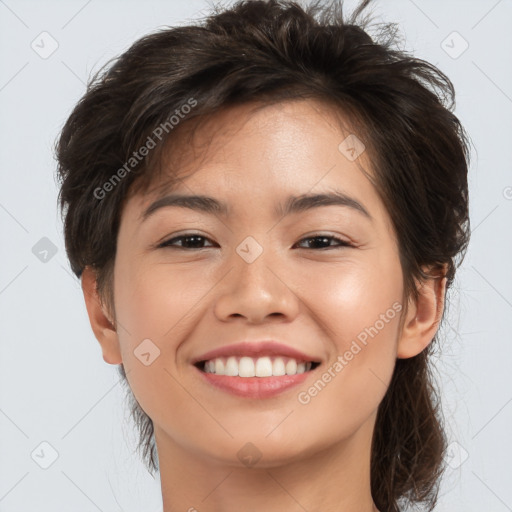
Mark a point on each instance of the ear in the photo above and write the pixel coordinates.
(102, 326)
(423, 317)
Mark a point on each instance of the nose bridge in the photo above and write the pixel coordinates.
(255, 287)
(253, 264)
(250, 250)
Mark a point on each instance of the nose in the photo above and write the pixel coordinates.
(256, 292)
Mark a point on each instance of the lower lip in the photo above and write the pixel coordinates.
(255, 387)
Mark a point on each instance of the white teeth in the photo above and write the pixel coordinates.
(278, 367)
(256, 367)
(245, 367)
(291, 367)
(263, 367)
(219, 366)
(231, 367)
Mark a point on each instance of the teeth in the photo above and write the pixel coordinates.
(219, 366)
(278, 367)
(245, 367)
(231, 367)
(291, 367)
(263, 367)
(256, 367)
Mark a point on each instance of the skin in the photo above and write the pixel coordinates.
(314, 456)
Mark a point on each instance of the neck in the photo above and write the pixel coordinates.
(335, 478)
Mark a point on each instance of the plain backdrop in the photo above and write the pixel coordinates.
(61, 405)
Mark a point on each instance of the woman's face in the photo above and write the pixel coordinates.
(255, 272)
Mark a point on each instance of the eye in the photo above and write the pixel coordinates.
(196, 241)
(321, 240)
(190, 241)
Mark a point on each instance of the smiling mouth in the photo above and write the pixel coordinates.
(247, 367)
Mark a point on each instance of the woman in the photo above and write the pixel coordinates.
(265, 211)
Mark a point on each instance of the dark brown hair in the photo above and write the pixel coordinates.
(266, 52)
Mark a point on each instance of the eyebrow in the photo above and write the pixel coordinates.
(294, 204)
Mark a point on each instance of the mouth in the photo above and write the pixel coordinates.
(255, 377)
(260, 367)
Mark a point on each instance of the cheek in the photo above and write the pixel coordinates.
(353, 295)
(151, 301)
(358, 309)
(152, 305)
(352, 384)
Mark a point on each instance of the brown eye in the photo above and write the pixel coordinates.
(322, 242)
(189, 241)
(196, 241)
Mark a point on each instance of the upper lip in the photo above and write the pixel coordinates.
(255, 349)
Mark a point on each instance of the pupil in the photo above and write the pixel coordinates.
(197, 240)
(315, 240)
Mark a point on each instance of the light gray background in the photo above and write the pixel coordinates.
(55, 386)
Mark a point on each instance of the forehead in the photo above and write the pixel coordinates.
(283, 127)
(260, 153)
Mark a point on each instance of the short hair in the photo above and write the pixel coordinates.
(268, 52)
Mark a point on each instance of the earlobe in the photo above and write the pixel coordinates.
(423, 318)
(103, 328)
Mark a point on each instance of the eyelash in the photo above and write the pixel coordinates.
(168, 243)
